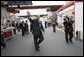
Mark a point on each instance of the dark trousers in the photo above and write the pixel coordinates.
(54, 30)
(23, 32)
(14, 30)
(37, 40)
(27, 31)
(18, 29)
(70, 34)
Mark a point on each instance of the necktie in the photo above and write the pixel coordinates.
(39, 23)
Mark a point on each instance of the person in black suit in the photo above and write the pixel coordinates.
(71, 29)
(31, 27)
(26, 28)
(36, 30)
(14, 25)
(54, 26)
(68, 29)
(45, 24)
(22, 26)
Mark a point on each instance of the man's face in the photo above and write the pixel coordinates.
(28, 13)
(37, 17)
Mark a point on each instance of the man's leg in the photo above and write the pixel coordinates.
(66, 36)
(70, 36)
(41, 38)
(35, 42)
(14, 31)
(27, 31)
(22, 32)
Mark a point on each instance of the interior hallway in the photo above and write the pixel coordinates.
(53, 45)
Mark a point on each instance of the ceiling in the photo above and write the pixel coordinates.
(26, 5)
(50, 8)
(12, 3)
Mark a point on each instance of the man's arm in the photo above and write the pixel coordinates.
(30, 19)
(28, 14)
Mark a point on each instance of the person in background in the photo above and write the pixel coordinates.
(17, 26)
(22, 25)
(14, 25)
(26, 28)
(71, 29)
(45, 24)
(54, 25)
(37, 29)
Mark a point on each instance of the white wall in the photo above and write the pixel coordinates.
(67, 9)
(79, 17)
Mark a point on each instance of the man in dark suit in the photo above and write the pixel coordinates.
(22, 26)
(71, 29)
(66, 25)
(45, 24)
(14, 25)
(68, 29)
(26, 28)
(36, 30)
(54, 26)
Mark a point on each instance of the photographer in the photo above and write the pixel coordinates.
(68, 28)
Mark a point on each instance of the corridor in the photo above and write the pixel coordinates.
(53, 45)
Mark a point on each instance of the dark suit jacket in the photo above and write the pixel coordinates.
(71, 26)
(36, 30)
(22, 27)
(26, 26)
(68, 26)
(14, 25)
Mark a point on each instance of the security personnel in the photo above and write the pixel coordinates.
(68, 29)
(54, 26)
(36, 30)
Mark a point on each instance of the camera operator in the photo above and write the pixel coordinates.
(68, 28)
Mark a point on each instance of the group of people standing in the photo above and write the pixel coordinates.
(23, 26)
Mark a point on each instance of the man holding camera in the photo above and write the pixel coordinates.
(68, 22)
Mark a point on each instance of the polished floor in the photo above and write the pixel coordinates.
(53, 45)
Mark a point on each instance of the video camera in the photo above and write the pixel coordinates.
(66, 18)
